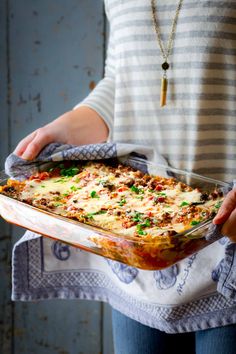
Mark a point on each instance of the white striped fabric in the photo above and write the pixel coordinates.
(197, 129)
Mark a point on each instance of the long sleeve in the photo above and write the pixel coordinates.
(101, 99)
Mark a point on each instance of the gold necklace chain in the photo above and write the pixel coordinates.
(165, 51)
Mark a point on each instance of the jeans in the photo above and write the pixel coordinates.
(131, 337)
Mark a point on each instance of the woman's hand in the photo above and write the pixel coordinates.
(78, 127)
(227, 216)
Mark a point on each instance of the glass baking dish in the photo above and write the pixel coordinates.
(134, 251)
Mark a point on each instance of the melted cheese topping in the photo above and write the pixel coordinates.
(121, 200)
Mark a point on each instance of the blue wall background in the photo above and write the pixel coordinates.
(51, 55)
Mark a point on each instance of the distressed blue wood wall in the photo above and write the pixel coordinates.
(51, 55)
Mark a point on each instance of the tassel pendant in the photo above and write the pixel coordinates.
(164, 84)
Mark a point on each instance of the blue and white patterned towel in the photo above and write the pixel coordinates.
(46, 269)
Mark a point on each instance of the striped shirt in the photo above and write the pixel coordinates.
(195, 131)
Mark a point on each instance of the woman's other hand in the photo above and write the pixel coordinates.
(78, 127)
(227, 216)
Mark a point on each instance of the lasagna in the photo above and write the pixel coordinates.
(149, 210)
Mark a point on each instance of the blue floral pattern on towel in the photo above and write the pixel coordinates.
(61, 251)
(124, 273)
(166, 278)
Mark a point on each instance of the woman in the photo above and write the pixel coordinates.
(193, 47)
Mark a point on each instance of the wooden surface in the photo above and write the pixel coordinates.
(51, 55)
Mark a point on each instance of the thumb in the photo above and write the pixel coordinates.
(226, 208)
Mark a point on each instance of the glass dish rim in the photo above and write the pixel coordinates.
(110, 234)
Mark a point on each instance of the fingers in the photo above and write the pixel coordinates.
(31, 146)
(229, 228)
(22, 145)
(226, 208)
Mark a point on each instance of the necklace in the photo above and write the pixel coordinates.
(165, 51)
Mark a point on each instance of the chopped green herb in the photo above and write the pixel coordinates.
(140, 230)
(42, 186)
(99, 212)
(69, 172)
(146, 223)
(218, 204)
(57, 204)
(76, 180)
(74, 188)
(195, 222)
(139, 227)
(93, 194)
(122, 202)
(137, 216)
(65, 194)
(31, 186)
(57, 198)
(184, 203)
(140, 197)
(136, 190)
(89, 216)
(62, 180)
(101, 181)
